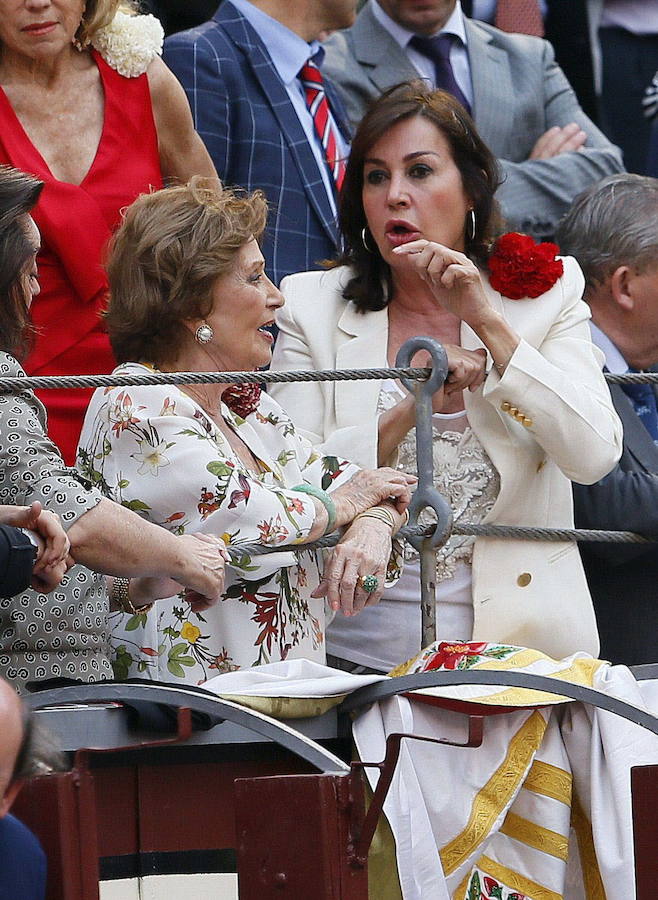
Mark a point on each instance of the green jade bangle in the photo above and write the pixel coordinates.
(324, 499)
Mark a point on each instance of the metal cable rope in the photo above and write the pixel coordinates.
(519, 532)
(41, 382)
(421, 374)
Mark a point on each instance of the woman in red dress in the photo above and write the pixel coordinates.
(99, 128)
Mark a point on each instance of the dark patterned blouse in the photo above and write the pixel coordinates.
(64, 633)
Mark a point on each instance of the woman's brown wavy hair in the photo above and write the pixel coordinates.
(370, 287)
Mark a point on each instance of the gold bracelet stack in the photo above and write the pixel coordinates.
(120, 595)
(384, 514)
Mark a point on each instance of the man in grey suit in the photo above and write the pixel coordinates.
(523, 106)
(612, 230)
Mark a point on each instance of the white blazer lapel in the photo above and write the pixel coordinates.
(365, 346)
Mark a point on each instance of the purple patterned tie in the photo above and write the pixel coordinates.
(438, 50)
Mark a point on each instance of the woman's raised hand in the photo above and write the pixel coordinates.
(453, 278)
(467, 369)
(370, 487)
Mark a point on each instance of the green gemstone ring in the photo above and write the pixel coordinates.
(369, 583)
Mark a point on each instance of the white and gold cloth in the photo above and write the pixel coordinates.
(542, 810)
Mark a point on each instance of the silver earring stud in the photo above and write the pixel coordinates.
(204, 334)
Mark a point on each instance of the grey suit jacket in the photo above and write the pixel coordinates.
(519, 92)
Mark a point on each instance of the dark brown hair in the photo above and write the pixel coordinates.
(18, 195)
(165, 258)
(371, 285)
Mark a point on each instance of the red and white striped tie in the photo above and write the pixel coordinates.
(316, 100)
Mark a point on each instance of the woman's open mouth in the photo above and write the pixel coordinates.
(399, 232)
(266, 333)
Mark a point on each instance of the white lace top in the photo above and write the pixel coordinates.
(385, 635)
(463, 473)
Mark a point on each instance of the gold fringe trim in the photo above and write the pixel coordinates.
(516, 881)
(491, 799)
(550, 781)
(536, 836)
(594, 889)
(581, 671)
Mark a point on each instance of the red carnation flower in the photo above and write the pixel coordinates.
(242, 399)
(520, 267)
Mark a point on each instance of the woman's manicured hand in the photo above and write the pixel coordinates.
(363, 550)
(453, 278)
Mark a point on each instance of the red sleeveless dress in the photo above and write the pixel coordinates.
(75, 223)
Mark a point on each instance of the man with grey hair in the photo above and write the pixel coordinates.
(612, 230)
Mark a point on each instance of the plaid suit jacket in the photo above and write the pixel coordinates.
(244, 115)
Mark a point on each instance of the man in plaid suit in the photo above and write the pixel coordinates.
(241, 74)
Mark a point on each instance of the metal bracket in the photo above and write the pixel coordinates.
(363, 828)
(183, 733)
(426, 495)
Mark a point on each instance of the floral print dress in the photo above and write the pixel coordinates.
(156, 451)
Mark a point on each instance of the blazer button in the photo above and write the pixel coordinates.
(524, 579)
(527, 422)
(513, 411)
(505, 406)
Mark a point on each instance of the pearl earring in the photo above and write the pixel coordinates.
(204, 334)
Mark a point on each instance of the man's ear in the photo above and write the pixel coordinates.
(621, 287)
(10, 795)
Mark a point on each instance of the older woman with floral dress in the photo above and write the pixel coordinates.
(65, 633)
(189, 293)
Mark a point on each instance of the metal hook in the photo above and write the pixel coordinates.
(426, 495)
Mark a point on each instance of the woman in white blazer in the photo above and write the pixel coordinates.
(418, 214)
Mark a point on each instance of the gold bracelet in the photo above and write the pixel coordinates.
(381, 513)
(500, 367)
(120, 595)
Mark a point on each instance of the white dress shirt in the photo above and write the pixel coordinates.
(614, 361)
(425, 67)
(636, 16)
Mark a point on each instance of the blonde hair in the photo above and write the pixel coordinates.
(98, 14)
(165, 258)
